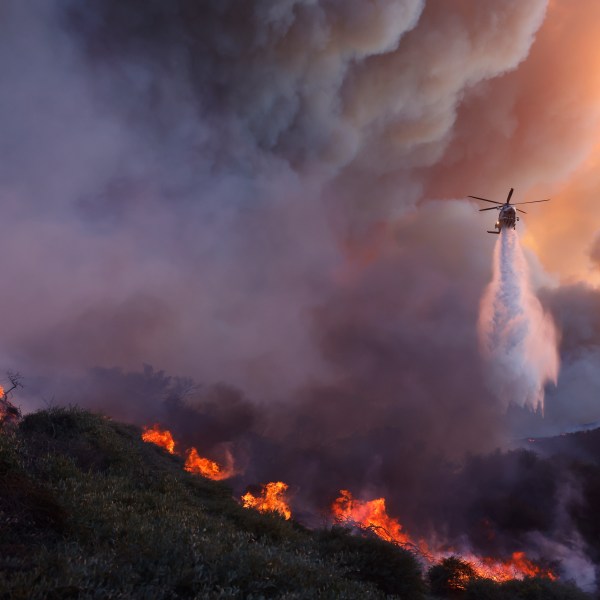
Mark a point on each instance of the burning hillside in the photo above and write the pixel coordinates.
(362, 515)
(165, 513)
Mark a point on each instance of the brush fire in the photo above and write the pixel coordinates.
(369, 514)
(372, 515)
(271, 499)
(194, 463)
(160, 437)
(361, 515)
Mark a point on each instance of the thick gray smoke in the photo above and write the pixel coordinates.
(518, 338)
(183, 182)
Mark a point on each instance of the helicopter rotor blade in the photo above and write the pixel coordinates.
(509, 195)
(519, 210)
(534, 201)
(491, 208)
(485, 199)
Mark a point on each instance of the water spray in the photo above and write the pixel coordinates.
(516, 336)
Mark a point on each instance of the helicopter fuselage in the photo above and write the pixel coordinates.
(507, 218)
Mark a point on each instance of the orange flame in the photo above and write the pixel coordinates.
(271, 499)
(160, 437)
(194, 463)
(370, 514)
(517, 566)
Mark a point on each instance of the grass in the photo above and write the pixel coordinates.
(88, 510)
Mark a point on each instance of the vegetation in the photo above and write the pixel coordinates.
(451, 577)
(454, 578)
(88, 510)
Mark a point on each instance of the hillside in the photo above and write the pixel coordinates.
(88, 510)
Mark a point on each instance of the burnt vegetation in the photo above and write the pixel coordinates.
(88, 510)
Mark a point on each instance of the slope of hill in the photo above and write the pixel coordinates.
(88, 510)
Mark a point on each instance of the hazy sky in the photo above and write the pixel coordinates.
(271, 194)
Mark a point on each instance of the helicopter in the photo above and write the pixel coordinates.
(507, 217)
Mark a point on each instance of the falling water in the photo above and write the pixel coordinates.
(517, 337)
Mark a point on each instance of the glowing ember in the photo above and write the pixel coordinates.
(272, 499)
(194, 463)
(160, 437)
(516, 567)
(370, 514)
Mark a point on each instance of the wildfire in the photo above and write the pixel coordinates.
(194, 463)
(160, 437)
(271, 499)
(372, 514)
(366, 514)
(517, 566)
(369, 514)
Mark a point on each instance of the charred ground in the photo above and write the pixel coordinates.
(87, 510)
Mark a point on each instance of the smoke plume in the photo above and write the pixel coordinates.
(518, 339)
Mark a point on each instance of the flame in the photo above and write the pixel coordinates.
(194, 463)
(160, 437)
(370, 514)
(271, 499)
(366, 514)
(518, 566)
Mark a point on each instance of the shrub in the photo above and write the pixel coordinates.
(368, 558)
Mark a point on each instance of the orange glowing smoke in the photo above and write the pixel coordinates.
(160, 437)
(370, 514)
(516, 567)
(271, 499)
(194, 463)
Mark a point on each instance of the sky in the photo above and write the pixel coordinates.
(272, 196)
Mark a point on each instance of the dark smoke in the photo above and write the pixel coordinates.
(574, 401)
(210, 161)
